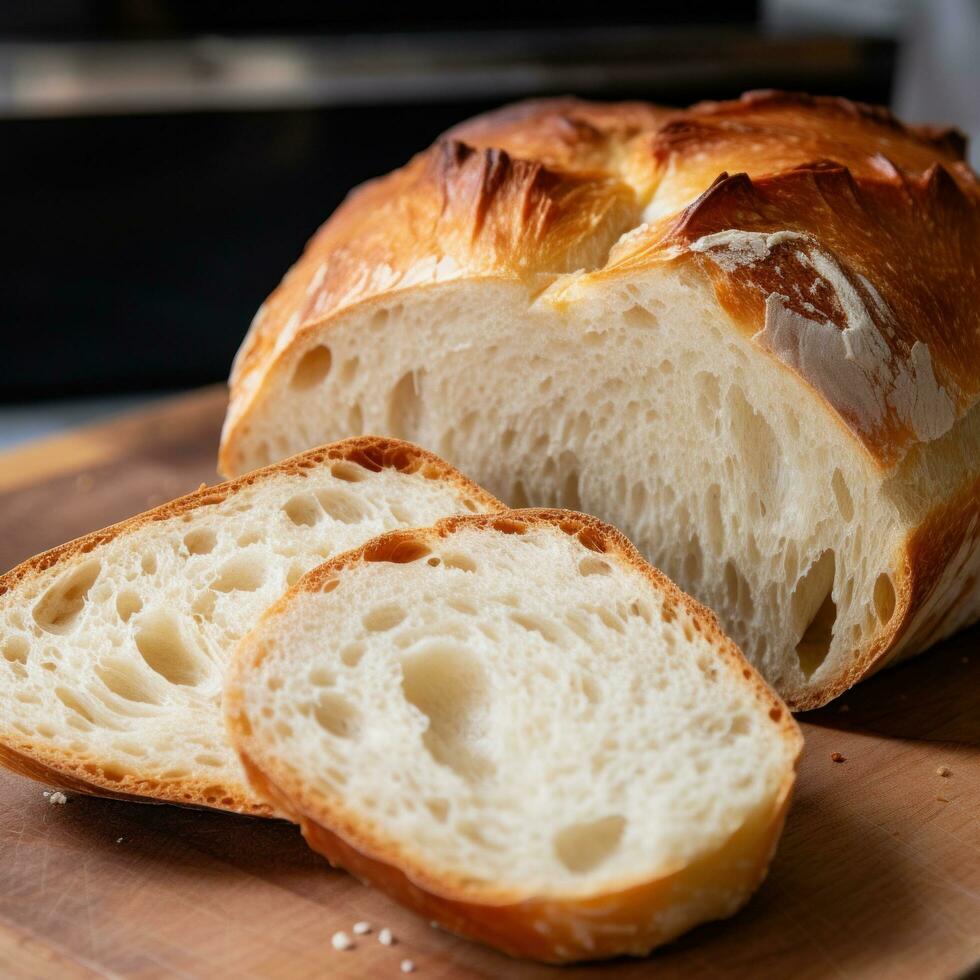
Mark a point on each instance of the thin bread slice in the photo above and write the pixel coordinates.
(518, 728)
(113, 647)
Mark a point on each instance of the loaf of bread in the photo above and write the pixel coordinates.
(518, 728)
(113, 647)
(747, 333)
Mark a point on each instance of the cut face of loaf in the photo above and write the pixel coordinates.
(521, 730)
(771, 387)
(113, 647)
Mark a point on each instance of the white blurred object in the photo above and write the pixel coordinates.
(870, 18)
(937, 76)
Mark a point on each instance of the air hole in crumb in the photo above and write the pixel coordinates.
(714, 524)
(203, 606)
(638, 316)
(518, 497)
(434, 562)
(341, 505)
(449, 686)
(302, 510)
(320, 676)
(439, 808)
(351, 654)
(594, 566)
(538, 624)
(383, 618)
(123, 679)
(582, 847)
(348, 370)
(396, 549)
(200, 541)
(814, 610)
(740, 725)
(609, 620)
(74, 703)
(401, 514)
(405, 406)
(458, 560)
(336, 715)
(241, 574)
(60, 606)
(149, 563)
(165, 650)
(313, 368)
(884, 598)
(569, 496)
(845, 503)
(507, 525)
(128, 603)
(344, 469)
(15, 650)
(464, 606)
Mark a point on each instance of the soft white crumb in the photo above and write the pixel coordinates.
(58, 797)
(341, 941)
(47, 793)
(119, 840)
(407, 966)
(362, 928)
(385, 937)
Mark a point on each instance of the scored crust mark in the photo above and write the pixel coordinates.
(945, 138)
(803, 261)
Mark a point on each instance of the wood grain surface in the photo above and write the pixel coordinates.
(878, 874)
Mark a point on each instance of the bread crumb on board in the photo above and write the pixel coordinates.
(407, 966)
(837, 757)
(57, 797)
(386, 938)
(361, 928)
(340, 940)
(944, 771)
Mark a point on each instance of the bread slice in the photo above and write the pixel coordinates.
(747, 333)
(113, 647)
(518, 728)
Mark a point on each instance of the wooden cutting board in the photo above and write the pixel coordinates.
(878, 874)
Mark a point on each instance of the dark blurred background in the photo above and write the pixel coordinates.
(165, 161)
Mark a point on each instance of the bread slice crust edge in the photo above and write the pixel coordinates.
(22, 756)
(554, 928)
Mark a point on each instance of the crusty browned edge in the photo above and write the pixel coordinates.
(945, 139)
(512, 922)
(23, 756)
